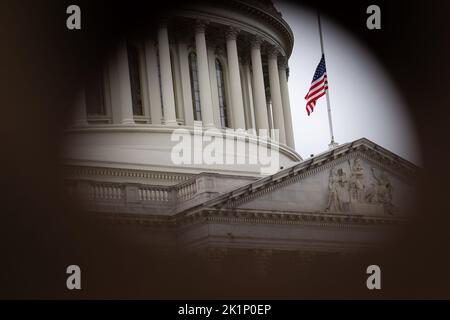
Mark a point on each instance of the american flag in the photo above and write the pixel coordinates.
(319, 86)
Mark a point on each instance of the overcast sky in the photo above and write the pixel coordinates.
(364, 100)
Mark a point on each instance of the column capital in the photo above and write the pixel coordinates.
(283, 63)
(200, 25)
(231, 33)
(255, 42)
(273, 52)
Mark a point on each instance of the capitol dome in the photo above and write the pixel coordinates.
(217, 70)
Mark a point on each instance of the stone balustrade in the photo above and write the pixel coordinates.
(187, 190)
(103, 191)
(126, 196)
(152, 193)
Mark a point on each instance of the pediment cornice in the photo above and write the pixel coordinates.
(361, 148)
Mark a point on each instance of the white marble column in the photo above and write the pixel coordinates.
(151, 62)
(286, 106)
(168, 97)
(275, 94)
(235, 79)
(203, 75)
(121, 100)
(211, 50)
(259, 96)
(247, 88)
(185, 81)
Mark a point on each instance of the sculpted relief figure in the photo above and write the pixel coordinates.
(371, 194)
(381, 192)
(338, 191)
(356, 183)
(352, 195)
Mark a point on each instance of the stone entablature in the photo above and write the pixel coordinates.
(252, 229)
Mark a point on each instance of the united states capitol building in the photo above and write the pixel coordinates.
(184, 139)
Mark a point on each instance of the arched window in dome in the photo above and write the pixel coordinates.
(195, 87)
(135, 80)
(95, 93)
(221, 91)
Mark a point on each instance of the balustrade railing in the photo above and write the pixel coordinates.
(109, 191)
(152, 193)
(102, 191)
(187, 191)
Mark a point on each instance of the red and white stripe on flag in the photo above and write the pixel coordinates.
(319, 86)
(318, 89)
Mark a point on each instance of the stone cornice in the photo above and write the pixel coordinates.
(251, 216)
(250, 8)
(73, 170)
(269, 14)
(314, 168)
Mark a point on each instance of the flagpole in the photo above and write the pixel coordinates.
(330, 121)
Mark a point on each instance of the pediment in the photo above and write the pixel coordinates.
(358, 178)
